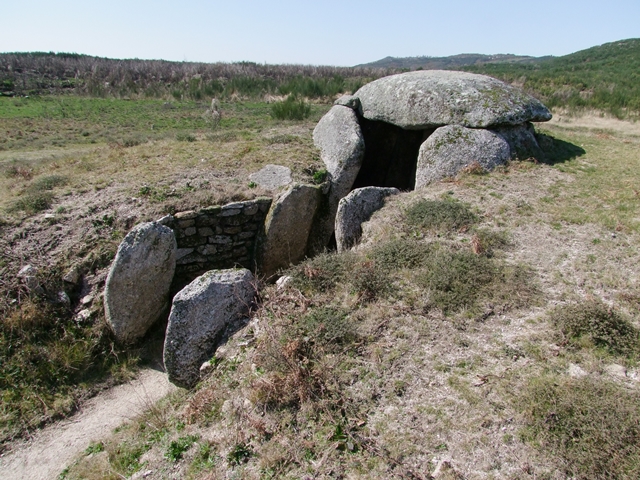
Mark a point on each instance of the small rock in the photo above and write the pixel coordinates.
(28, 276)
(73, 275)
(616, 370)
(272, 177)
(63, 298)
(83, 315)
(86, 300)
(206, 367)
(283, 281)
(576, 371)
(167, 220)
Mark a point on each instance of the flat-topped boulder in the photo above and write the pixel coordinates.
(433, 98)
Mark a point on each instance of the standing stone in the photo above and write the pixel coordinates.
(341, 143)
(287, 227)
(137, 288)
(355, 209)
(453, 148)
(522, 142)
(199, 314)
(433, 98)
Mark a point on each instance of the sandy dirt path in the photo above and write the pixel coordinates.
(53, 448)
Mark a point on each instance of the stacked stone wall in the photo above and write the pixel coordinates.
(217, 237)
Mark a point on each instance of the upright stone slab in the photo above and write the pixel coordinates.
(453, 148)
(341, 143)
(433, 98)
(287, 228)
(355, 209)
(137, 288)
(199, 314)
(522, 142)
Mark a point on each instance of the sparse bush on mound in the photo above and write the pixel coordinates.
(291, 109)
(400, 253)
(323, 272)
(593, 324)
(591, 424)
(440, 215)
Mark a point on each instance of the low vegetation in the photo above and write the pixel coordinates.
(485, 327)
(603, 78)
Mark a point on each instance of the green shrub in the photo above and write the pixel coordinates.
(185, 137)
(291, 109)
(328, 327)
(460, 280)
(455, 280)
(370, 282)
(48, 183)
(33, 202)
(440, 215)
(323, 272)
(592, 323)
(240, 454)
(593, 425)
(400, 253)
(178, 447)
(319, 176)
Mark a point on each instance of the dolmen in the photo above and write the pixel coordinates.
(411, 129)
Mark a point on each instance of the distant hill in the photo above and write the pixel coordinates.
(447, 63)
(606, 77)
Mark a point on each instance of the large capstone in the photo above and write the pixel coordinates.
(453, 148)
(287, 228)
(432, 98)
(199, 315)
(137, 288)
(355, 209)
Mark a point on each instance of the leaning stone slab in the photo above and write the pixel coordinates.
(341, 143)
(287, 227)
(355, 209)
(137, 288)
(272, 177)
(432, 98)
(199, 314)
(453, 148)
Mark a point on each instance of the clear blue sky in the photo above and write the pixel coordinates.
(320, 32)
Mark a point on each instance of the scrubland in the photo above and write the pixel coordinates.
(486, 327)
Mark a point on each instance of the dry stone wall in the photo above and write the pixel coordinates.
(217, 238)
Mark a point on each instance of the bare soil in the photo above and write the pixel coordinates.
(49, 451)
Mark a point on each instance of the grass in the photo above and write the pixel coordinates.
(430, 342)
(444, 215)
(592, 425)
(593, 324)
(291, 109)
(49, 360)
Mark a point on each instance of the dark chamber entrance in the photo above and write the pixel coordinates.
(391, 155)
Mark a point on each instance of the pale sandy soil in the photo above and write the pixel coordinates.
(595, 121)
(50, 450)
